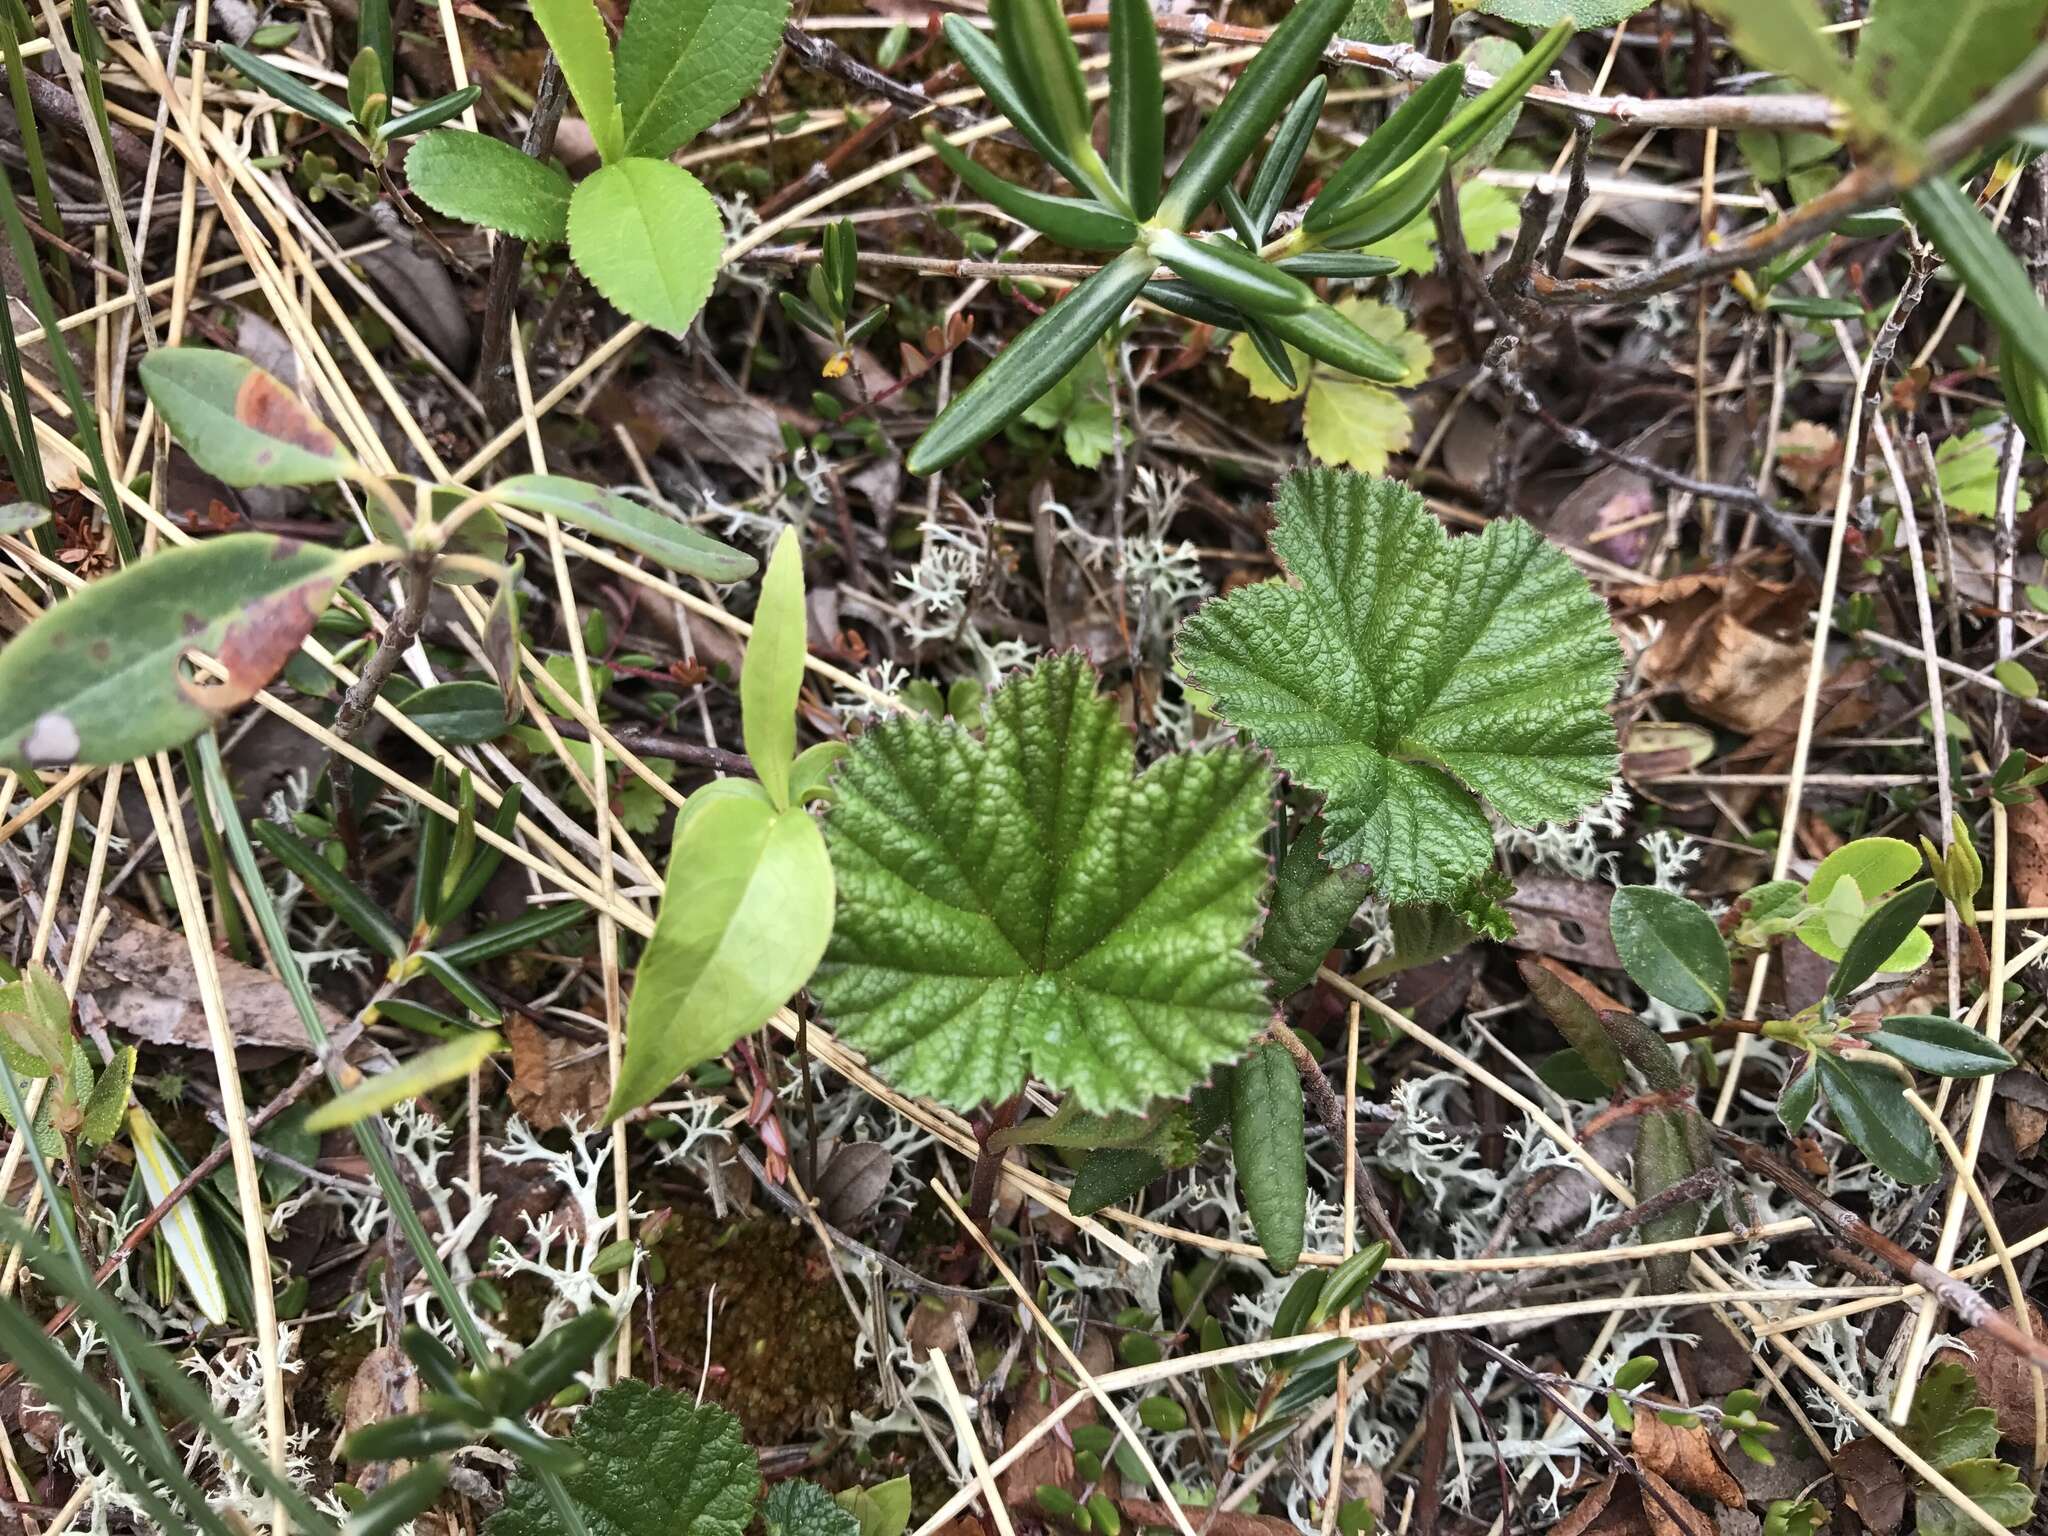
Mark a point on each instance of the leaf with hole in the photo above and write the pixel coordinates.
(1401, 672)
(648, 237)
(102, 676)
(238, 423)
(745, 914)
(1018, 904)
(627, 522)
(1671, 948)
(482, 180)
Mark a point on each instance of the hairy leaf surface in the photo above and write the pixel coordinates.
(654, 1464)
(1401, 671)
(1020, 904)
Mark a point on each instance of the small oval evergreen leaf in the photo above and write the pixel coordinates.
(1869, 1104)
(1671, 948)
(1943, 1046)
(1882, 932)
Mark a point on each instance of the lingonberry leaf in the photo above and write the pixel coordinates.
(1400, 672)
(1019, 904)
(654, 1464)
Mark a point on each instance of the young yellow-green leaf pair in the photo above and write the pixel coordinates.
(644, 231)
(36, 1042)
(748, 905)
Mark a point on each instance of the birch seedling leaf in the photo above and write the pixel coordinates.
(1018, 904)
(1404, 674)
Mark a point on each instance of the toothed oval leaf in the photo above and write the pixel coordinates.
(1402, 673)
(1019, 903)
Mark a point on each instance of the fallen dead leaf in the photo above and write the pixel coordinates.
(1669, 1512)
(1685, 1457)
(1810, 461)
(554, 1079)
(2027, 824)
(1564, 918)
(141, 980)
(1732, 646)
(1873, 1484)
(941, 1324)
(384, 1386)
(1591, 1515)
(2026, 1124)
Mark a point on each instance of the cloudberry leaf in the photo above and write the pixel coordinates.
(654, 1464)
(1018, 904)
(798, 1508)
(1400, 672)
(1948, 1424)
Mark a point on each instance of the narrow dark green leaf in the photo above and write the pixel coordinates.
(443, 109)
(1192, 304)
(1290, 143)
(1032, 363)
(373, 36)
(1577, 1020)
(347, 900)
(1348, 1282)
(1137, 119)
(401, 1502)
(1665, 1155)
(557, 1355)
(1039, 53)
(407, 1438)
(1394, 143)
(459, 714)
(1326, 335)
(1943, 1046)
(1883, 931)
(1307, 912)
(1110, 1177)
(1267, 1148)
(1996, 280)
(985, 63)
(1225, 270)
(1341, 264)
(1079, 222)
(1261, 94)
(485, 864)
(1671, 948)
(1391, 204)
(1869, 1104)
(1796, 1099)
(521, 932)
(288, 88)
(1471, 124)
(1272, 351)
(1813, 308)
(457, 985)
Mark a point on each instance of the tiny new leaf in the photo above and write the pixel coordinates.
(101, 677)
(654, 1464)
(1018, 904)
(1401, 671)
(238, 422)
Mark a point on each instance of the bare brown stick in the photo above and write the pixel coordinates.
(825, 57)
(1847, 1225)
(398, 638)
(501, 292)
(2013, 103)
(670, 748)
(988, 1162)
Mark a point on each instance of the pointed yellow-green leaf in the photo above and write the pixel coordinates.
(773, 672)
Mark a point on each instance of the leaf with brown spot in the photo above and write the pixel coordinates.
(238, 423)
(104, 676)
(1684, 1456)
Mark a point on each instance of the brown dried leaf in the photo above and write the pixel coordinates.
(1873, 1484)
(1667, 1510)
(555, 1080)
(1685, 1457)
(2027, 823)
(384, 1386)
(141, 980)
